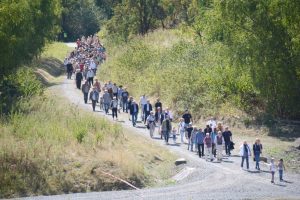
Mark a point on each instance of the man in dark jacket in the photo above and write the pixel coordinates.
(69, 70)
(94, 97)
(134, 110)
(85, 90)
(147, 110)
(79, 78)
(125, 96)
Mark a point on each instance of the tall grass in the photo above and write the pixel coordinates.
(50, 147)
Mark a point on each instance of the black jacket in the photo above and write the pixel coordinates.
(145, 108)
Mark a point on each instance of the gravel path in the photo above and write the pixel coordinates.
(224, 180)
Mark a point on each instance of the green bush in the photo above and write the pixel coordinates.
(183, 72)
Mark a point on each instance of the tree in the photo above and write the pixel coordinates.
(25, 26)
(80, 17)
(263, 37)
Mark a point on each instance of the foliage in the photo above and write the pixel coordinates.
(25, 25)
(263, 38)
(182, 72)
(129, 17)
(80, 18)
(21, 84)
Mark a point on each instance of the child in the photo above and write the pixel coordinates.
(281, 167)
(174, 132)
(272, 169)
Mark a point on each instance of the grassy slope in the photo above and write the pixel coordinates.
(188, 75)
(41, 153)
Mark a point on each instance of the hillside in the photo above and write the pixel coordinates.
(48, 146)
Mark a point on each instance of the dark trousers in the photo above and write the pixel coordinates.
(257, 159)
(94, 104)
(114, 112)
(201, 150)
(146, 115)
(134, 118)
(125, 105)
(69, 74)
(247, 161)
(78, 83)
(213, 149)
(91, 81)
(85, 97)
(166, 135)
(227, 148)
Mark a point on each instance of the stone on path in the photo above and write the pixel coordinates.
(180, 161)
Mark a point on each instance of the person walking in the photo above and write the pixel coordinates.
(106, 101)
(181, 129)
(199, 141)
(151, 123)
(227, 135)
(245, 153)
(192, 140)
(147, 109)
(97, 85)
(90, 77)
(189, 129)
(159, 118)
(143, 102)
(134, 110)
(94, 97)
(187, 117)
(257, 150)
(157, 105)
(174, 133)
(207, 145)
(213, 136)
(78, 78)
(85, 90)
(166, 128)
(272, 169)
(115, 90)
(69, 70)
(125, 96)
(280, 167)
(114, 108)
(219, 141)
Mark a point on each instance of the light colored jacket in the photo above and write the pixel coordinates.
(106, 98)
(242, 152)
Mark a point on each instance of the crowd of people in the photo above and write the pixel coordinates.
(209, 142)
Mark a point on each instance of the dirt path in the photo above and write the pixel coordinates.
(207, 180)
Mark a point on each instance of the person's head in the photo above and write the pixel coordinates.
(151, 113)
(181, 119)
(256, 141)
(125, 88)
(215, 130)
(211, 118)
(219, 133)
(158, 109)
(200, 129)
(157, 99)
(207, 125)
(105, 91)
(245, 142)
(226, 128)
(186, 111)
(115, 84)
(96, 80)
(207, 134)
(114, 98)
(167, 108)
(195, 128)
(280, 160)
(272, 160)
(144, 95)
(133, 101)
(148, 101)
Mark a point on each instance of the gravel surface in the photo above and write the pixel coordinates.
(209, 180)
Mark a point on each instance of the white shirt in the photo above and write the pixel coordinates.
(143, 100)
(212, 123)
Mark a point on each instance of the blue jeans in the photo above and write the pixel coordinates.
(134, 118)
(280, 174)
(125, 105)
(257, 159)
(106, 107)
(247, 161)
(227, 148)
(85, 97)
(166, 136)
